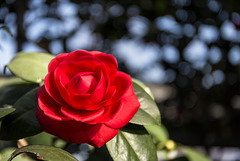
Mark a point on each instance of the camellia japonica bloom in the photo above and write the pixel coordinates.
(85, 99)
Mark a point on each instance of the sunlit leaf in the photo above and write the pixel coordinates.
(148, 113)
(160, 132)
(132, 145)
(32, 67)
(6, 152)
(44, 152)
(144, 86)
(22, 122)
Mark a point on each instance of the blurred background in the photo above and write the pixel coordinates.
(187, 51)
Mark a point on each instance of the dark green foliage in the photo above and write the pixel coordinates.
(22, 122)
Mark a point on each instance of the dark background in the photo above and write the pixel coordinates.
(187, 51)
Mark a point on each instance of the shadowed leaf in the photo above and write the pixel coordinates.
(22, 122)
(5, 111)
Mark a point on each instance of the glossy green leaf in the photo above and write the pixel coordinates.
(144, 86)
(22, 122)
(5, 111)
(148, 113)
(192, 154)
(159, 132)
(132, 145)
(44, 152)
(32, 67)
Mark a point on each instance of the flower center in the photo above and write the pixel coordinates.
(82, 83)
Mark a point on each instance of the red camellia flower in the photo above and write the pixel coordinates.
(85, 99)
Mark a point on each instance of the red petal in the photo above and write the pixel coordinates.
(109, 112)
(79, 101)
(109, 61)
(78, 54)
(128, 108)
(106, 100)
(122, 82)
(54, 62)
(68, 69)
(96, 52)
(126, 96)
(84, 82)
(52, 89)
(51, 108)
(103, 135)
(118, 114)
(76, 132)
(82, 115)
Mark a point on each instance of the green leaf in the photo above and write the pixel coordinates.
(6, 152)
(148, 113)
(46, 139)
(10, 81)
(22, 122)
(143, 86)
(5, 111)
(12, 88)
(44, 152)
(132, 145)
(159, 132)
(192, 154)
(10, 94)
(32, 67)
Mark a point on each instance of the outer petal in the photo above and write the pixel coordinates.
(78, 54)
(109, 113)
(128, 108)
(103, 135)
(129, 101)
(82, 115)
(54, 62)
(122, 82)
(49, 106)
(76, 132)
(51, 88)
